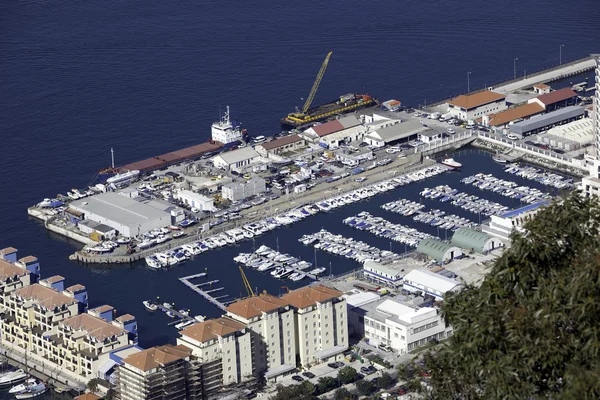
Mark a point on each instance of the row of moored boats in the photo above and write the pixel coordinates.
(348, 247)
(506, 188)
(544, 177)
(435, 218)
(21, 385)
(381, 227)
(471, 203)
(280, 265)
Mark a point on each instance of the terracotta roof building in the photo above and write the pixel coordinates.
(45, 297)
(345, 125)
(473, 106)
(88, 396)
(94, 327)
(310, 296)
(556, 99)
(505, 117)
(273, 328)
(224, 348)
(282, 145)
(159, 372)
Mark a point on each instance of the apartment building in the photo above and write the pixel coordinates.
(43, 321)
(222, 348)
(403, 328)
(272, 327)
(321, 323)
(159, 373)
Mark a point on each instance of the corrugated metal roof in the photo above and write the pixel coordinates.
(399, 131)
(235, 156)
(433, 248)
(430, 280)
(273, 144)
(540, 121)
(527, 208)
(470, 239)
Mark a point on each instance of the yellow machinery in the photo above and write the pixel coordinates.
(315, 86)
(246, 283)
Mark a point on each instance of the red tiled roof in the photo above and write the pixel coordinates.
(273, 144)
(475, 100)
(328, 128)
(556, 96)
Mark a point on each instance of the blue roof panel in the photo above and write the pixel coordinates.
(530, 207)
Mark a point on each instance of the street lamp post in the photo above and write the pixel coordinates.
(468, 82)
(560, 53)
(515, 66)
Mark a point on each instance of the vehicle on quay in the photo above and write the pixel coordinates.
(512, 136)
(451, 131)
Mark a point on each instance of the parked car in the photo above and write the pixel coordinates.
(297, 378)
(368, 370)
(333, 365)
(451, 131)
(309, 375)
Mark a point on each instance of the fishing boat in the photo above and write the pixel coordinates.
(452, 163)
(12, 377)
(35, 391)
(149, 305)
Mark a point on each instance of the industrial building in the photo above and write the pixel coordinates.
(429, 136)
(473, 106)
(236, 160)
(281, 146)
(195, 200)
(346, 129)
(130, 217)
(543, 122)
(389, 322)
(381, 274)
(238, 191)
(504, 225)
(397, 132)
(439, 251)
(436, 285)
(354, 157)
(556, 99)
(472, 240)
(570, 136)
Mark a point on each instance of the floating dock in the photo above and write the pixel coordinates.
(205, 293)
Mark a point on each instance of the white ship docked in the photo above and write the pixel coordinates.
(227, 131)
(452, 163)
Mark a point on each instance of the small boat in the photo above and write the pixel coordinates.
(499, 159)
(10, 378)
(150, 306)
(23, 386)
(35, 391)
(450, 162)
(184, 312)
(171, 314)
(178, 234)
(317, 271)
(153, 262)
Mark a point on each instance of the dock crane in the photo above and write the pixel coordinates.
(246, 283)
(315, 86)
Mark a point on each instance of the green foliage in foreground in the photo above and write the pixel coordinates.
(532, 330)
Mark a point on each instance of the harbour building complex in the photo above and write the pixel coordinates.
(591, 183)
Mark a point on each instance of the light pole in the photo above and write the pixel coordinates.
(560, 53)
(515, 66)
(468, 82)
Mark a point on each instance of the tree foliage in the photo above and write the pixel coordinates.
(343, 394)
(303, 391)
(384, 381)
(326, 383)
(365, 387)
(532, 329)
(347, 375)
(92, 385)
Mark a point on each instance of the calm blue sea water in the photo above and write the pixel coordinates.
(81, 77)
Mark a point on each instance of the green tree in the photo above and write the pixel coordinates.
(92, 385)
(303, 391)
(384, 381)
(365, 387)
(532, 329)
(326, 383)
(347, 375)
(343, 394)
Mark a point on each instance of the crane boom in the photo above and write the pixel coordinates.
(246, 283)
(315, 86)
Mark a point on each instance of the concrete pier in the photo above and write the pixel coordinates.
(205, 294)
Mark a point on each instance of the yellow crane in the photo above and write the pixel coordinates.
(315, 86)
(246, 283)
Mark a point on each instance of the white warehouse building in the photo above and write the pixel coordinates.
(195, 200)
(237, 191)
(436, 285)
(130, 217)
(400, 326)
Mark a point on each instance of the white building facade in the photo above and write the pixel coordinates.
(195, 200)
(471, 107)
(237, 191)
(427, 282)
(502, 226)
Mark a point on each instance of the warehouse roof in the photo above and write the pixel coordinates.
(273, 144)
(399, 131)
(504, 117)
(235, 156)
(540, 121)
(475, 100)
(470, 239)
(556, 96)
(431, 280)
(434, 248)
(115, 207)
(336, 125)
(381, 269)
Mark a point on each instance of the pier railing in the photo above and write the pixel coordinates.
(529, 148)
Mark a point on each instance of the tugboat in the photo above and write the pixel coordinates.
(450, 162)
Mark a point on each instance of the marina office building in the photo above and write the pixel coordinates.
(129, 216)
(473, 106)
